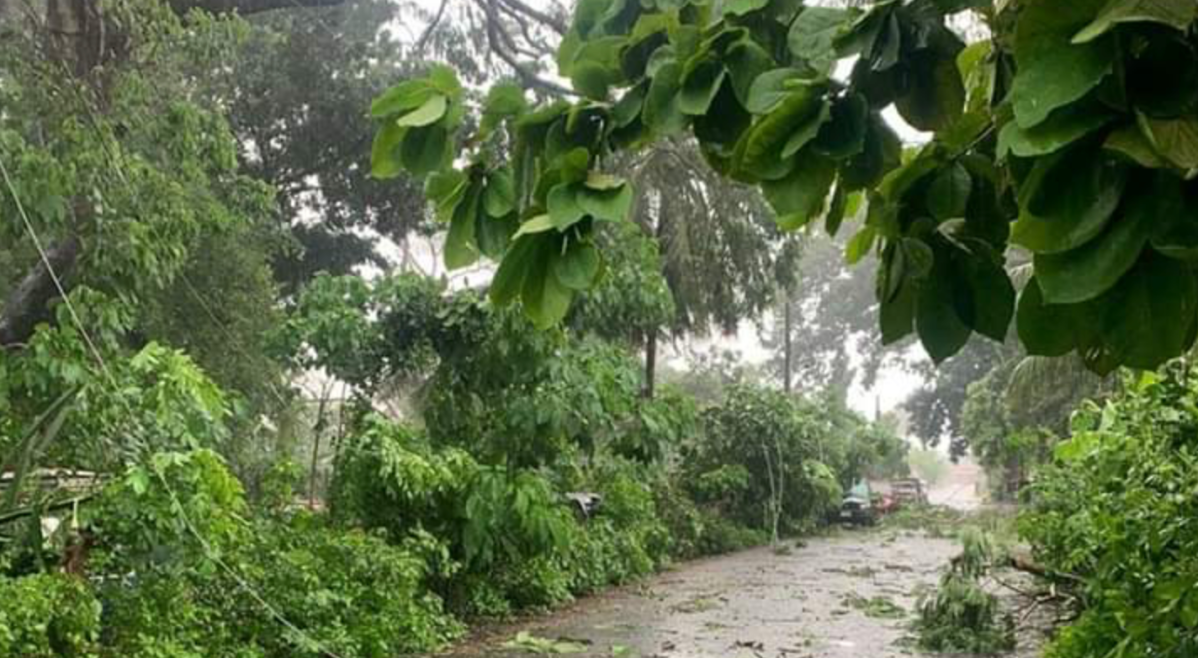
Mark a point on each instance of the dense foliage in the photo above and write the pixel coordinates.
(962, 615)
(431, 523)
(1111, 520)
(185, 196)
(1066, 96)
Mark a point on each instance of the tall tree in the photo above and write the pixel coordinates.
(140, 154)
(296, 91)
(832, 312)
(722, 254)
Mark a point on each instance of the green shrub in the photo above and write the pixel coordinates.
(185, 572)
(961, 615)
(506, 528)
(680, 516)
(48, 616)
(348, 591)
(1115, 512)
(388, 477)
(760, 461)
(722, 535)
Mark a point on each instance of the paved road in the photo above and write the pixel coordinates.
(814, 602)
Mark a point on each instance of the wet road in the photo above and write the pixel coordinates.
(849, 595)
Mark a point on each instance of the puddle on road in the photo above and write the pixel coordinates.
(847, 596)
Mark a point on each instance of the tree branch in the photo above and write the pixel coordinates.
(247, 7)
(496, 41)
(428, 31)
(26, 304)
(554, 23)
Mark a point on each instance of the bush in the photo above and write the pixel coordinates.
(679, 515)
(759, 461)
(508, 529)
(350, 592)
(961, 615)
(388, 477)
(1115, 510)
(211, 582)
(721, 535)
(48, 616)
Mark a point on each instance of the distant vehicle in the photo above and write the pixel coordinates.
(584, 503)
(909, 491)
(857, 506)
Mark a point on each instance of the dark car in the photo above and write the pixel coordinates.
(856, 508)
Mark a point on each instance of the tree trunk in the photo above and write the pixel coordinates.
(786, 346)
(650, 364)
(28, 302)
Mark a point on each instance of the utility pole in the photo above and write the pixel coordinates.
(786, 347)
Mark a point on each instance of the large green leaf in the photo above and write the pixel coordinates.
(1177, 236)
(746, 61)
(941, 330)
(897, 315)
(494, 234)
(860, 245)
(1147, 318)
(948, 195)
(405, 96)
(1063, 127)
(1092, 269)
(807, 130)
(1067, 200)
(773, 87)
(1045, 329)
(799, 197)
(425, 149)
(758, 153)
(509, 278)
(503, 100)
(460, 247)
(578, 266)
(1131, 143)
(843, 136)
(1051, 70)
(991, 296)
(742, 7)
(445, 190)
(608, 204)
(861, 35)
(662, 112)
(1174, 13)
(1175, 139)
(813, 33)
(592, 79)
(535, 225)
(546, 300)
(564, 207)
(500, 196)
(429, 112)
(882, 152)
(700, 85)
(936, 95)
(384, 152)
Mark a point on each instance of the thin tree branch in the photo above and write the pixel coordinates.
(554, 23)
(527, 76)
(418, 49)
